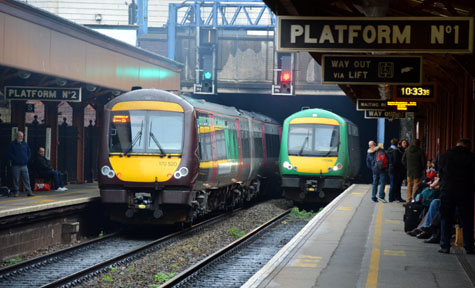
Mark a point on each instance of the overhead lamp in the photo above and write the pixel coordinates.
(24, 74)
(98, 17)
(61, 82)
(91, 88)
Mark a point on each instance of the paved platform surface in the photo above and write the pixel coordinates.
(355, 242)
(77, 194)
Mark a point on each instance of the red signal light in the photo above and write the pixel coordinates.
(286, 76)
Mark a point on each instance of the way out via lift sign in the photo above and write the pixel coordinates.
(366, 34)
(348, 69)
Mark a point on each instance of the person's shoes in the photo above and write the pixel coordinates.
(444, 250)
(374, 200)
(469, 250)
(404, 205)
(400, 200)
(414, 232)
(432, 240)
(59, 189)
(64, 188)
(424, 235)
(382, 200)
(31, 194)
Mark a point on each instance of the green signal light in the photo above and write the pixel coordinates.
(207, 75)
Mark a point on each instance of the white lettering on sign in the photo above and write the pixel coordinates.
(381, 34)
(437, 35)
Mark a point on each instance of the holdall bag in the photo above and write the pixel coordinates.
(42, 187)
(412, 215)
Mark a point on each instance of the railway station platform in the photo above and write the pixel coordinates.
(355, 242)
(44, 200)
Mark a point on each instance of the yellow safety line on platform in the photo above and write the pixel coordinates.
(16, 199)
(372, 280)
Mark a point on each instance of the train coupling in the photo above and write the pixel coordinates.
(143, 201)
(311, 185)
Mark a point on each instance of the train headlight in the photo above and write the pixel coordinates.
(183, 171)
(111, 174)
(337, 167)
(105, 170)
(287, 165)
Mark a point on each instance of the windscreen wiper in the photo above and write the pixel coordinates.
(136, 139)
(303, 145)
(162, 152)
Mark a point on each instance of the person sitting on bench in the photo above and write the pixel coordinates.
(42, 167)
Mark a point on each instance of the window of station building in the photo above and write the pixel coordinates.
(65, 114)
(89, 116)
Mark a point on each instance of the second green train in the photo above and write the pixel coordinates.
(319, 155)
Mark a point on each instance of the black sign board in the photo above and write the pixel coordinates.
(374, 114)
(347, 69)
(43, 93)
(420, 93)
(370, 104)
(367, 34)
(30, 108)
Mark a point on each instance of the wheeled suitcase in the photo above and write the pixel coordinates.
(413, 215)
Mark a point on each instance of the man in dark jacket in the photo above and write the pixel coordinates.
(396, 171)
(415, 162)
(42, 166)
(379, 175)
(19, 155)
(456, 170)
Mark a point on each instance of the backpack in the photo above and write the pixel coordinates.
(381, 161)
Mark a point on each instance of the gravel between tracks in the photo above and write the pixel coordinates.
(152, 269)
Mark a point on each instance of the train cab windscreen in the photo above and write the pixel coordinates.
(140, 131)
(313, 140)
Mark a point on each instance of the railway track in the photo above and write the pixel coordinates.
(233, 265)
(72, 266)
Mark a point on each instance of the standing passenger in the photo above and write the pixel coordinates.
(396, 171)
(379, 171)
(19, 155)
(403, 145)
(415, 161)
(456, 172)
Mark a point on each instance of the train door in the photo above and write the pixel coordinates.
(204, 128)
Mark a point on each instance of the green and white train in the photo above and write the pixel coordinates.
(319, 155)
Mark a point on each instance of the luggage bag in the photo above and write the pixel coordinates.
(412, 215)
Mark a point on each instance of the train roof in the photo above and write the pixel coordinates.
(227, 110)
(320, 113)
(162, 95)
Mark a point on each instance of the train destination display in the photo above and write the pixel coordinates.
(349, 69)
(368, 34)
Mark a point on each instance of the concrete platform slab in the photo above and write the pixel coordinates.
(355, 242)
(77, 194)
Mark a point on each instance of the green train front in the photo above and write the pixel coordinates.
(319, 155)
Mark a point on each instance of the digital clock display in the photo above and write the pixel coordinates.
(420, 93)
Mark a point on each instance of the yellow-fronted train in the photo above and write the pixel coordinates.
(168, 159)
(319, 155)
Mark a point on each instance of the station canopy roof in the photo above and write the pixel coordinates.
(437, 67)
